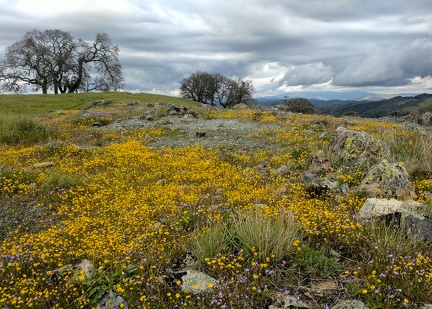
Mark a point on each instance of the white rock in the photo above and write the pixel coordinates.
(374, 207)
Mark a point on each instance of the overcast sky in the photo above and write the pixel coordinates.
(383, 46)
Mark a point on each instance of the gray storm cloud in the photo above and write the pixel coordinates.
(332, 43)
(393, 66)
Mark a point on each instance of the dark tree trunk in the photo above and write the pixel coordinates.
(44, 88)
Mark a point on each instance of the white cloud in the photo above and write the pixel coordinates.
(308, 74)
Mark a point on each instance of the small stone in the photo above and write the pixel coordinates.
(350, 304)
(112, 301)
(287, 301)
(284, 170)
(327, 285)
(200, 134)
(335, 254)
(87, 267)
(43, 164)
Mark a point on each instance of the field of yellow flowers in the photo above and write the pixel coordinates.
(78, 192)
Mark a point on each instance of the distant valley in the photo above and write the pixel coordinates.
(371, 106)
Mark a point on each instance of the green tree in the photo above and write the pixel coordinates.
(214, 88)
(298, 105)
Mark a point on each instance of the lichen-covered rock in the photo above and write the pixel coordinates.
(287, 301)
(196, 282)
(425, 119)
(350, 304)
(112, 301)
(358, 148)
(390, 180)
(317, 186)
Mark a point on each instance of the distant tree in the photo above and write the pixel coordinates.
(216, 89)
(52, 59)
(298, 105)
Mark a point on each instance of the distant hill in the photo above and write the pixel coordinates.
(322, 96)
(397, 106)
(367, 107)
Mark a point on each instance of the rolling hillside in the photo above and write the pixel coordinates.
(398, 106)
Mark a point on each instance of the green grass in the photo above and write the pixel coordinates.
(39, 103)
(17, 129)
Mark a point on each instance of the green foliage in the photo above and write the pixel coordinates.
(316, 263)
(298, 105)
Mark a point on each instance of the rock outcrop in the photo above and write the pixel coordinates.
(389, 180)
(358, 148)
(408, 214)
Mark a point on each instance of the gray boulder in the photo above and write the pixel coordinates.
(374, 207)
(425, 119)
(421, 227)
(316, 186)
(389, 180)
(407, 213)
(358, 148)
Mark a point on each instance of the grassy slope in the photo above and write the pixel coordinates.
(34, 104)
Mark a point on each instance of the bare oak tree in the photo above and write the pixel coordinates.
(214, 88)
(52, 59)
